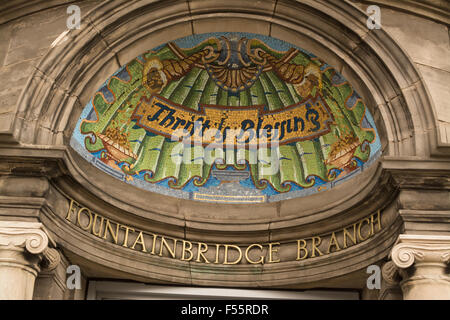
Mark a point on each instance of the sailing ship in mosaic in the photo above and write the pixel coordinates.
(228, 81)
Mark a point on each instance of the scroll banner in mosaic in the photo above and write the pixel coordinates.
(228, 118)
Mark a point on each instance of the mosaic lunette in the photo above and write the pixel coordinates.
(326, 134)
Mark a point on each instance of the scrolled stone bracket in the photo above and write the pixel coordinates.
(413, 249)
(28, 235)
(419, 264)
(26, 249)
(31, 237)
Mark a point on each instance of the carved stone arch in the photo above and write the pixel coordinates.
(117, 31)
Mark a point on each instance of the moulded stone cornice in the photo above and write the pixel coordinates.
(411, 249)
(28, 235)
(23, 186)
(417, 172)
(425, 216)
(420, 221)
(416, 164)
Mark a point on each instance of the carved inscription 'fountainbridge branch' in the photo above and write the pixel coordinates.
(227, 254)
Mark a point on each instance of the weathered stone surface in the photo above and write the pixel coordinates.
(437, 81)
(426, 41)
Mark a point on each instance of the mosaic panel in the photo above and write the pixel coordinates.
(228, 118)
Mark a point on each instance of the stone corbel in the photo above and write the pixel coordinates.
(390, 286)
(51, 259)
(391, 273)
